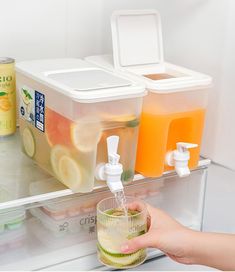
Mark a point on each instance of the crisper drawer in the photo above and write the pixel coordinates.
(61, 234)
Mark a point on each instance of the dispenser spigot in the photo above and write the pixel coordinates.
(179, 158)
(111, 171)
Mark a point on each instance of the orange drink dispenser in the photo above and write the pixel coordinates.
(174, 110)
(68, 109)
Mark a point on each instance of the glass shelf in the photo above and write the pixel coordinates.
(36, 246)
(22, 182)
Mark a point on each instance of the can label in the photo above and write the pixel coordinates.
(7, 99)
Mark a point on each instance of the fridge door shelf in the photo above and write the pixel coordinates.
(23, 183)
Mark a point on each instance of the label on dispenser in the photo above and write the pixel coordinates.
(32, 107)
(27, 101)
(39, 111)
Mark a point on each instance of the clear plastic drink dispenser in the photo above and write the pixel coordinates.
(174, 110)
(68, 108)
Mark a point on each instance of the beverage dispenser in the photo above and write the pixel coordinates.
(173, 113)
(68, 109)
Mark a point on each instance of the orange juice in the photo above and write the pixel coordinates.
(174, 107)
(160, 133)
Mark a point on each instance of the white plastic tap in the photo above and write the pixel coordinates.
(179, 158)
(111, 171)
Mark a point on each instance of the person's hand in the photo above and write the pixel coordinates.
(182, 244)
(165, 234)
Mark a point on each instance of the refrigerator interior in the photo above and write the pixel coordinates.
(186, 26)
(44, 225)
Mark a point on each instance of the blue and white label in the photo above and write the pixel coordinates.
(27, 103)
(40, 111)
(32, 107)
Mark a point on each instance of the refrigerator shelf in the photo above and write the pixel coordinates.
(23, 183)
(69, 241)
(33, 255)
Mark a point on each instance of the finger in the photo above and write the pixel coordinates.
(136, 206)
(151, 210)
(137, 243)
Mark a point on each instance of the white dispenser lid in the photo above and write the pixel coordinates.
(183, 80)
(137, 39)
(80, 80)
(138, 49)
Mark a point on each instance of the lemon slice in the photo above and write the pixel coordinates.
(110, 242)
(122, 259)
(70, 173)
(124, 118)
(86, 135)
(57, 152)
(28, 142)
(119, 118)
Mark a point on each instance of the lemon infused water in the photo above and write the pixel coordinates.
(114, 228)
(121, 201)
(72, 149)
(68, 109)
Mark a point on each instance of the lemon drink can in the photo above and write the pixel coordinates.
(7, 97)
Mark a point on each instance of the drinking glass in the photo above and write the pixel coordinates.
(114, 228)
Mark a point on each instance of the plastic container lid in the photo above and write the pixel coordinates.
(56, 226)
(51, 185)
(137, 39)
(8, 215)
(65, 225)
(51, 241)
(138, 49)
(184, 79)
(80, 80)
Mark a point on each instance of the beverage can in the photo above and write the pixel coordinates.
(7, 96)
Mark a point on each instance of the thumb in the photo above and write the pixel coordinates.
(137, 243)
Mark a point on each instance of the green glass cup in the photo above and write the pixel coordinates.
(114, 228)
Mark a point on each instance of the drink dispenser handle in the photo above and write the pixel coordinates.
(111, 171)
(179, 158)
(183, 147)
(112, 146)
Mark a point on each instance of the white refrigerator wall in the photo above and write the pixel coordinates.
(50, 28)
(58, 28)
(197, 34)
(33, 29)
